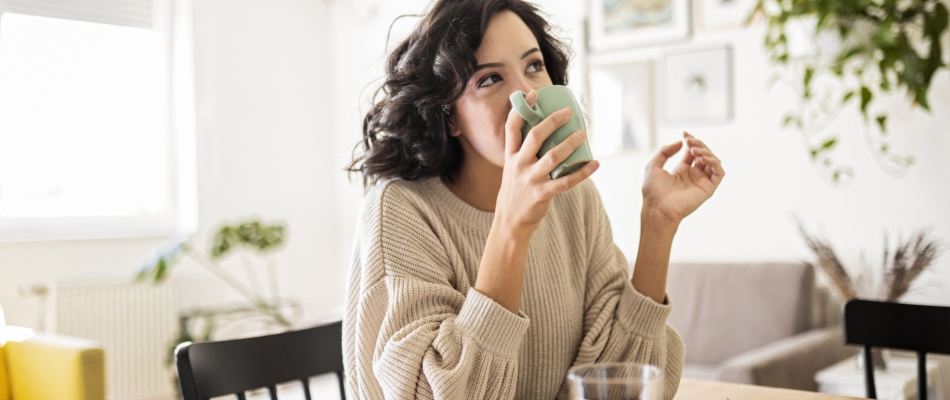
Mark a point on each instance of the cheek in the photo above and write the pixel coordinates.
(494, 127)
(485, 126)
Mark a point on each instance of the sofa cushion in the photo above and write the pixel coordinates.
(722, 310)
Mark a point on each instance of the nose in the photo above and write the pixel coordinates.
(522, 84)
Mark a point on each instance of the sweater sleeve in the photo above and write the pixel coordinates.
(434, 341)
(620, 324)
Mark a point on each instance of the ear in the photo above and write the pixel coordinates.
(454, 126)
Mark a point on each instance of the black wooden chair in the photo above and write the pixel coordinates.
(212, 369)
(923, 329)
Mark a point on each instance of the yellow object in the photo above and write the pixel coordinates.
(4, 381)
(45, 367)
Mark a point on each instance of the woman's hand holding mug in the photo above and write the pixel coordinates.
(526, 187)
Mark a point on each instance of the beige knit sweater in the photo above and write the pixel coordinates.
(416, 328)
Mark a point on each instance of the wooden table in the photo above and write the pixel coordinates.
(695, 389)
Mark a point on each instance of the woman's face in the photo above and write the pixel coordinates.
(508, 59)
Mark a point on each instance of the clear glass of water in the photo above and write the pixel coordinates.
(616, 381)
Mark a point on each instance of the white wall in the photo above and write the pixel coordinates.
(263, 112)
(769, 179)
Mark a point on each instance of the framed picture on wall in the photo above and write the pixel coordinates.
(621, 108)
(620, 24)
(696, 86)
(722, 14)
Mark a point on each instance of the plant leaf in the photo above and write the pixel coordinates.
(847, 96)
(161, 270)
(921, 98)
(788, 120)
(940, 17)
(828, 144)
(809, 74)
(865, 99)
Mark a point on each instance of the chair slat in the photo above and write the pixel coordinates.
(869, 372)
(273, 392)
(922, 375)
(306, 388)
(341, 379)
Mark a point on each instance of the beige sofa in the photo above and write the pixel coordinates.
(763, 324)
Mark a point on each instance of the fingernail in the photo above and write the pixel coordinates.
(582, 135)
(566, 112)
(531, 95)
(594, 166)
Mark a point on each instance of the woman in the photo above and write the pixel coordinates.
(475, 276)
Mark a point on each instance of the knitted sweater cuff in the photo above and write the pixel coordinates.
(642, 316)
(492, 325)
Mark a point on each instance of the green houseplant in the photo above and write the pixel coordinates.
(200, 324)
(883, 47)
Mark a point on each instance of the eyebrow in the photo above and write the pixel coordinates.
(496, 65)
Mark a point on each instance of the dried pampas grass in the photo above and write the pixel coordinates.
(911, 258)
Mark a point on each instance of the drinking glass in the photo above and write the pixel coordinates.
(616, 381)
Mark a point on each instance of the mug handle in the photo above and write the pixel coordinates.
(532, 115)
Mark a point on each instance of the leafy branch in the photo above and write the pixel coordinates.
(885, 46)
(249, 235)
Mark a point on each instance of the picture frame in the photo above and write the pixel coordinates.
(622, 107)
(713, 15)
(696, 86)
(623, 24)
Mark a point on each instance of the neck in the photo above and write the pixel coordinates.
(477, 183)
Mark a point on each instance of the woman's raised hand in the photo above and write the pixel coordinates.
(693, 180)
(526, 187)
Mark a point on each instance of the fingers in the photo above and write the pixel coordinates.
(704, 159)
(513, 132)
(555, 186)
(665, 153)
(531, 98)
(560, 152)
(514, 124)
(541, 131)
(688, 157)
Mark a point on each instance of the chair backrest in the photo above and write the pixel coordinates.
(717, 304)
(212, 369)
(924, 329)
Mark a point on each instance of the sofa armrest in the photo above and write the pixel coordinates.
(55, 367)
(789, 363)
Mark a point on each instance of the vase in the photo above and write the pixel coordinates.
(881, 357)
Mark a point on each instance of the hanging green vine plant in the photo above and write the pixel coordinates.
(884, 47)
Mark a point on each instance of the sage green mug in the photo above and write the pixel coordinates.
(551, 99)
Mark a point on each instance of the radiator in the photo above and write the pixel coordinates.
(134, 323)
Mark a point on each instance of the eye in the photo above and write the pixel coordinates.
(489, 80)
(536, 66)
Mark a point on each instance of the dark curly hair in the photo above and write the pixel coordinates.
(406, 133)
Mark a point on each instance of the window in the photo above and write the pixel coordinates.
(88, 147)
